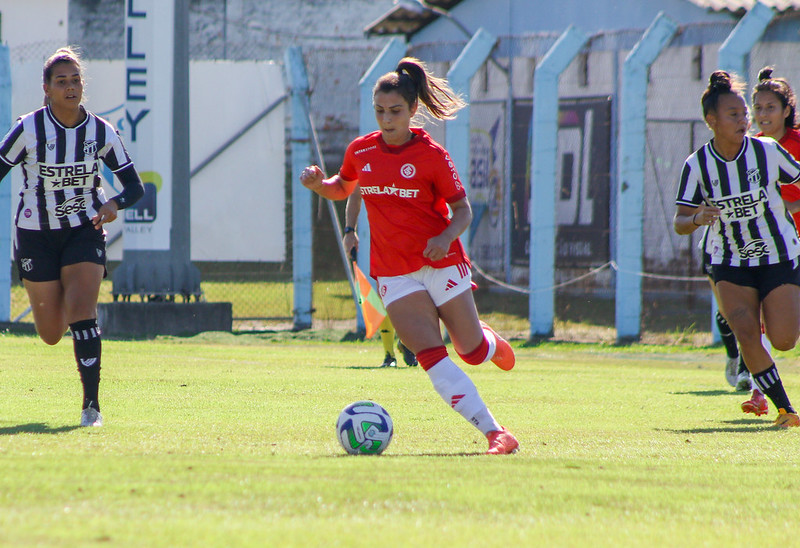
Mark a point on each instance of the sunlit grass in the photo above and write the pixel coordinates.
(228, 440)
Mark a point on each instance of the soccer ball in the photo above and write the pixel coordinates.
(364, 428)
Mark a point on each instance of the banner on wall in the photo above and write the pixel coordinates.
(583, 186)
(149, 64)
(486, 190)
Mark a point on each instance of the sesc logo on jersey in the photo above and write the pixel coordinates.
(754, 250)
(71, 206)
(66, 176)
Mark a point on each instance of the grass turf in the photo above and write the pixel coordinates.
(225, 440)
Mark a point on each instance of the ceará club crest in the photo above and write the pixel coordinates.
(754, 177)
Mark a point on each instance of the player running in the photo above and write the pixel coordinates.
(774, 110)
(60, 243)
(731, 184)
(407, 182)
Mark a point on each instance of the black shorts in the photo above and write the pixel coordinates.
(40, 254)
(763, 278)
(705, 268)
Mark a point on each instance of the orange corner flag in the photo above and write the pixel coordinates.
(371, 306)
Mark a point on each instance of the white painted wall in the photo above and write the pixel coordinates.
(238, 201)
(50, 23)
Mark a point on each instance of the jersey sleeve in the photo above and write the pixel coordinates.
(113, 153)
(788, 168)
(12, 147)
(447, 181)
(689, 189)
(349, 170)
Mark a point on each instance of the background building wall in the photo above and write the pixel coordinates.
(330, 33)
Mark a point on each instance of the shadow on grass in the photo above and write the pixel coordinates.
(735, 426)
(34, 428)
(366, 367)
(707, 393)
(462, 454)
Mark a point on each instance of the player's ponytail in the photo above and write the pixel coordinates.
(412, 80)
(782, 90)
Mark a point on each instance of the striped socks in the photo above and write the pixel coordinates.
(87, 345)
(769, 382)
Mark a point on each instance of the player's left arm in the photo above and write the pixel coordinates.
(438, 246)
(132, 190)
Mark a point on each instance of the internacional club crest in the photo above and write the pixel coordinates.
(408, 171)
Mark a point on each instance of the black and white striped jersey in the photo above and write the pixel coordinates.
(754, 228)
(61, 168)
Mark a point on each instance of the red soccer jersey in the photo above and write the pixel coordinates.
(791, 142)
(406, 190)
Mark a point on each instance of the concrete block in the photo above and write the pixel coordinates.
(149, 319)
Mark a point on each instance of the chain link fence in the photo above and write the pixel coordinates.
(499, 169)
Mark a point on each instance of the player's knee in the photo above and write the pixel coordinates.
(49, 335)
(784, 343)
(51, 338)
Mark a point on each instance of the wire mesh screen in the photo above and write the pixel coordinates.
(669, 142)
(488, 193)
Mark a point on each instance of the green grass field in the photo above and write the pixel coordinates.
(228, 440)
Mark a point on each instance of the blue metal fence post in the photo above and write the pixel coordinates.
(541, 303)
(457, 136)
(630, 190)
(301, 197)
(734, 52)
(5, 190)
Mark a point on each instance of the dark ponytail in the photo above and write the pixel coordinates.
(412, 80)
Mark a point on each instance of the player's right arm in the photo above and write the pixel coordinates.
(333, 188)
(688, 219)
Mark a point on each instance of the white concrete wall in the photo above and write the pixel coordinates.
(50, 18)
(236, 200)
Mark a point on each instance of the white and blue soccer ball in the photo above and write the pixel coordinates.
(364, 428)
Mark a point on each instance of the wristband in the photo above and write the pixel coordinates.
(694, 222)
(349, 229)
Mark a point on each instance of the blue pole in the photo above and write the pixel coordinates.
(5, 191)
(457, 136)
(630, 192)
(735, 50)
(301, 197)
(541, 303)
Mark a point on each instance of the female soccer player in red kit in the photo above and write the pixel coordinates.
(407, 182)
